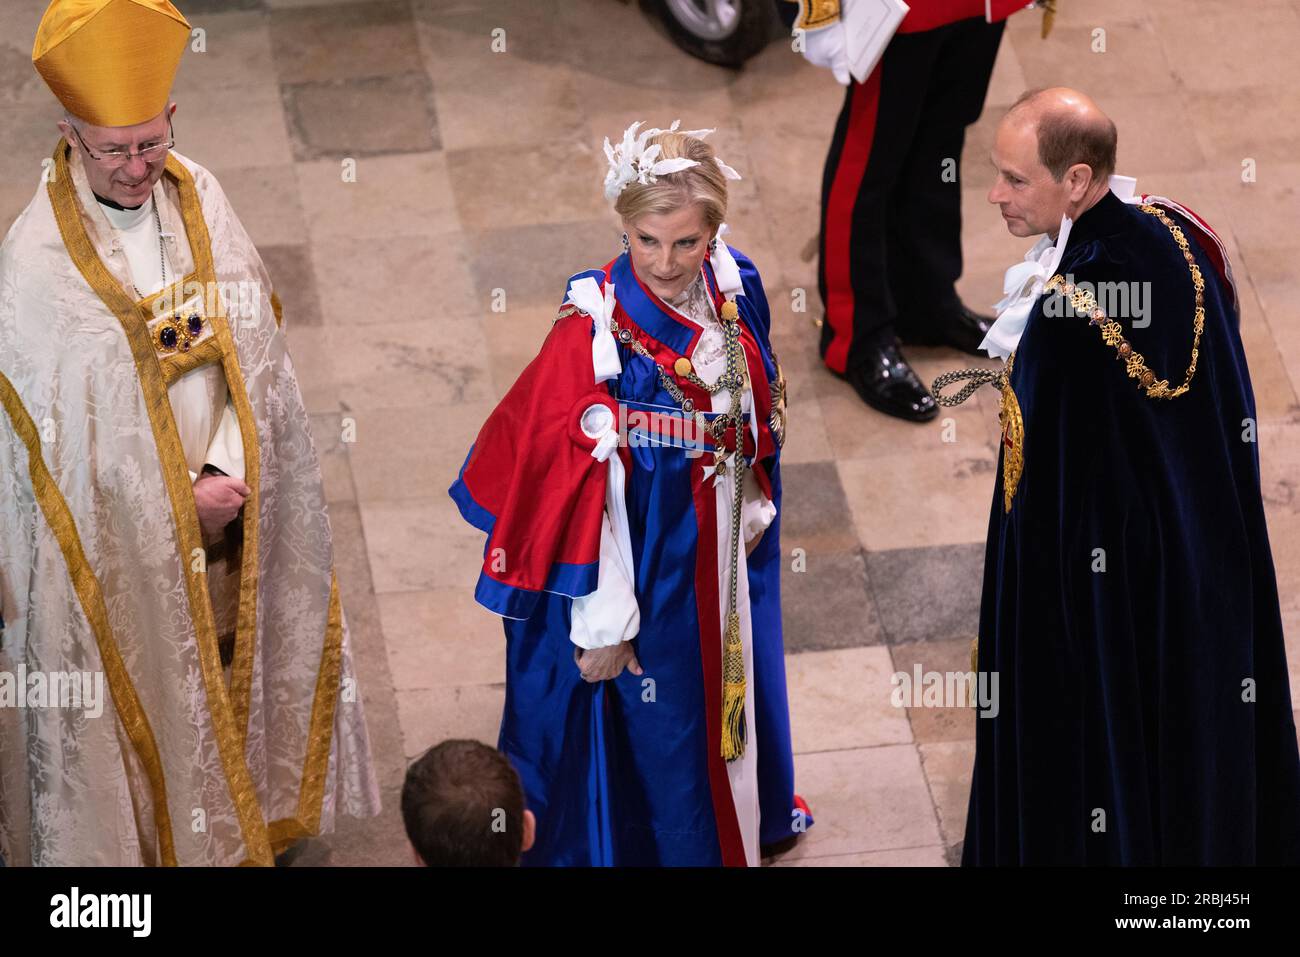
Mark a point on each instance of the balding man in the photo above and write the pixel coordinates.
(1130, 608)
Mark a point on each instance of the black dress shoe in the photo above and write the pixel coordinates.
(887, 383)
(960, 329)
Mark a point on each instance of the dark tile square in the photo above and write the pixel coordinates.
(374, 116)
(815, 514)
(928, 594)
(294, 281)
(828, 605)
(533, 263)
(344, 41)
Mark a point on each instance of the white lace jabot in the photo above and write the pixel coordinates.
(695, 303)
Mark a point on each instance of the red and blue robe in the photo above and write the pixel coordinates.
(629, 771)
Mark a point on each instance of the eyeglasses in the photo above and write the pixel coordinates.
(117, 158)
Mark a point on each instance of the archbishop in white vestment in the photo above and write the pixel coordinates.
(139, 348)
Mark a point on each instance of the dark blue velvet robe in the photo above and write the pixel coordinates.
(1122, 690)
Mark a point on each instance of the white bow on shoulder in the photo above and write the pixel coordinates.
(585, 294)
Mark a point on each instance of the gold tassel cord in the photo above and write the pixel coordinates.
(733, 654)
(733, 692)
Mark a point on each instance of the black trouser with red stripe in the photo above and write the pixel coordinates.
(891, 204)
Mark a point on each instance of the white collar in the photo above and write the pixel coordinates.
(1023, 282)
(125, 220)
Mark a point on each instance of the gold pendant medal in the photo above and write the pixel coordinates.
(1013, 437)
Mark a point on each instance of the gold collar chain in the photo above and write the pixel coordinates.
(1085, 303)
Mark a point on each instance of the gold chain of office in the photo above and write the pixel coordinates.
(1085, 303)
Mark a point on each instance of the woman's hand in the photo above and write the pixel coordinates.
(603, 664)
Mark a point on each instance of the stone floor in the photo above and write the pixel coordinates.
(480, 172)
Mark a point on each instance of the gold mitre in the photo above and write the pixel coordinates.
(111, 62)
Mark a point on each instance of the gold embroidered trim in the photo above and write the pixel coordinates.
(311, 790)
(178, 364)
(129, 710)
(777, 418)
(277, 309)
(241, 671)
(1112, 333)
(814, 14)
(175, 474)
(1013, 436)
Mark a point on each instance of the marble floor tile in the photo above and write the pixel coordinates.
(928, 594)
(419, 545)
(531, 265)
(475, 131)
(1222, 50)
(466, 45)
(441, 638)
(266, 200)
(939, 497)
(345, 41)
(34, 133)
(369, 116)
(947, 766)
(523, 105)
(826, 600)
(487, 184)
(378, 198)
(931, 856)
(405, 277)
(1134, 60)
(243, 128)
(815, 516)
(336, 471)
(867, 799)
(840, 700)
(951, 723)
(407, 364)
(294, 280)
(230, 60)
(431, 715)
(412, 451)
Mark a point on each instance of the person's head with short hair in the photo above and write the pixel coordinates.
(463, 806)
(1054, 152)
(670, 221)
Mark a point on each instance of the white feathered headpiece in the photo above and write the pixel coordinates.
(634, 162)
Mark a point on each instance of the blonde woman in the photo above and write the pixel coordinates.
(629, 486)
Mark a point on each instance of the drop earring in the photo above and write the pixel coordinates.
(627, 246)
(713, 246)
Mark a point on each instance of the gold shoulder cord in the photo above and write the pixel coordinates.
(1084, 303)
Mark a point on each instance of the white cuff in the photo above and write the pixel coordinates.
(226, 450)
(757, 511)
(608, 615)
